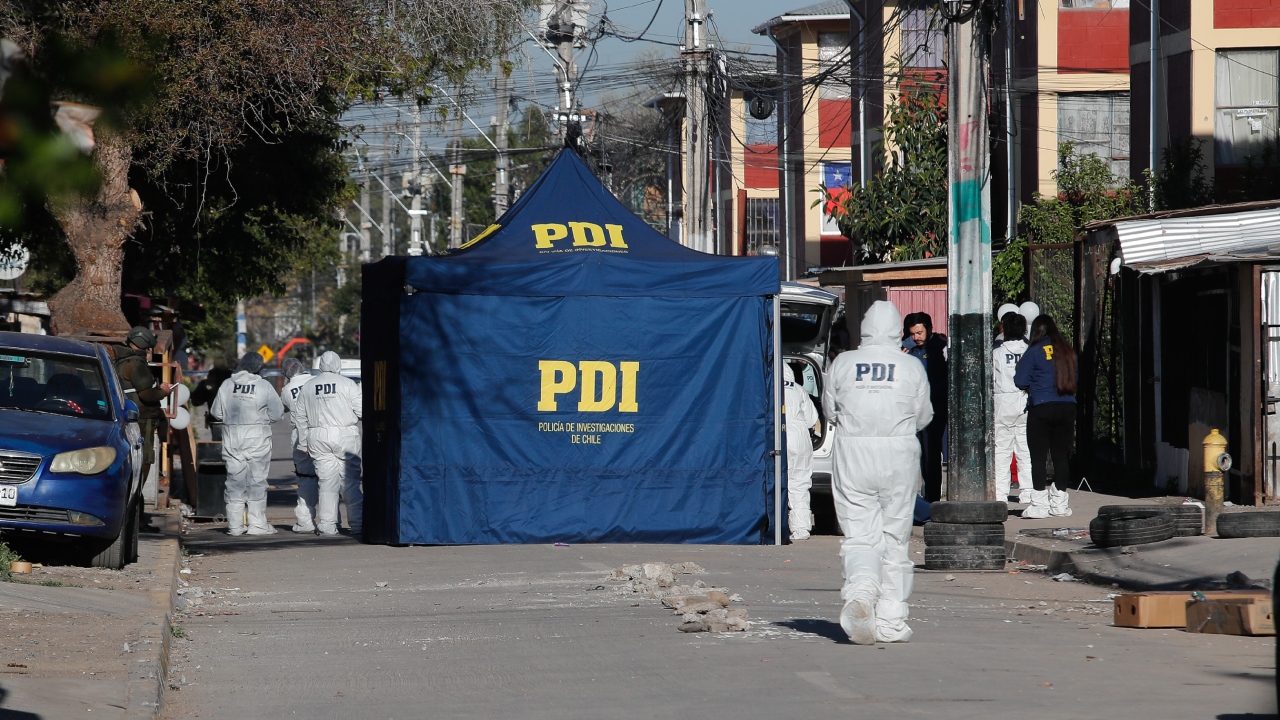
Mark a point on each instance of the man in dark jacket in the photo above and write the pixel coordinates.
(140, 386)
(930, 348)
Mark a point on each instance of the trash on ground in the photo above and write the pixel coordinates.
(1064, 577)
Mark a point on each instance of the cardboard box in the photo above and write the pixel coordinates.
(1231, 616)
(1166, 609)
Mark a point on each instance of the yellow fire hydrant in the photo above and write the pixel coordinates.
(1216, 462)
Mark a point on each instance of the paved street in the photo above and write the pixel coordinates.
(301, 626)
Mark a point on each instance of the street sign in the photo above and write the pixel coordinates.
(266, 353)
(13, 262)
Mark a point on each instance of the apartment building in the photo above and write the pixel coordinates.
(1218, 64)
(841, 62)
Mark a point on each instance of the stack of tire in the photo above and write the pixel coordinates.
(1121, 525)
(965, 536)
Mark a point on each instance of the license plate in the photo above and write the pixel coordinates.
(8, 496)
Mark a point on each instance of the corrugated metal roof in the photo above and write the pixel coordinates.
(1174, 238)
(829, 10)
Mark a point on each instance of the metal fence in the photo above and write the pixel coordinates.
(761, 225)
(1051, 282)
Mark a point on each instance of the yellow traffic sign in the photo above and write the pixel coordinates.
(266, 353)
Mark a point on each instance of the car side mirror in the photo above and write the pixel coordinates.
(131, 411)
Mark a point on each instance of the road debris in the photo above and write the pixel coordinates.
(701, 608)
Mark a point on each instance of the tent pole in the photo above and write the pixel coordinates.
(777, 420)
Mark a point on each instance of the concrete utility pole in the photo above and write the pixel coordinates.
(969, 260)
(388, 241)
(697, 194)
(560, 30)
(366, 222)
(501, 183)
(458, 173)
(415, 214)
(1153, 99)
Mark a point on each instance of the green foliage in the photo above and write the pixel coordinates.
(1087, 191)
(7, 556)
(1181, 182)
(336, 325)
(1009, 273)
(1260, 179)
(901, 214)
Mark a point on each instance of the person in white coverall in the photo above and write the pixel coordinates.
(801, 415)
(327, 416)
(247, 405)
(303, 469)
(1010, 404)
(879, 400)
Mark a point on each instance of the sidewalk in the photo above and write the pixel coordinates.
(89, 640)
(1187, 563)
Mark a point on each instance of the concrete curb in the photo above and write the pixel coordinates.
(147, 675)
(1094, 566)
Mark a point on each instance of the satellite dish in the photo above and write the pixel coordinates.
(13, 262)
(761, 107)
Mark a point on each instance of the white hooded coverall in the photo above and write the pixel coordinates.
(247, 405)
(326, 416)
(879, 399)
(305, 471)
(1011, 418)
(801, 415)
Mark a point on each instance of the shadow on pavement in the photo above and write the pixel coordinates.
(822, 628)
(6, 714)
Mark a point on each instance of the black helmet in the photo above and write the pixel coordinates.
(141, 338)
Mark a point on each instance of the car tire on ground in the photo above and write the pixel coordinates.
(135, 527)
(112, 556)
(1188, 520)
(1249, 524)
(958, 534)
(969, 513)
(965, 557)
(1137, 527)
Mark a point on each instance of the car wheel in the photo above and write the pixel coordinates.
(113, 556)
(1249, 524)
(135, 527)
(964, 557)
(1136, 527)
(986, 534)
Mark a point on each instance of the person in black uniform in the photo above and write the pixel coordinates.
(140, 386)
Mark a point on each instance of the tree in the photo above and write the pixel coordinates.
(901, 213)
(234, 72)
(1181, 182)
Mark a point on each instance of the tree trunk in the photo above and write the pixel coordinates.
(97, 228)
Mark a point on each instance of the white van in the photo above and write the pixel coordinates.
(808, 315)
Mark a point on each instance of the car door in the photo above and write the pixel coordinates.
(130, 430)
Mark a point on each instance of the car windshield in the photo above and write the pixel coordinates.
(53, 383)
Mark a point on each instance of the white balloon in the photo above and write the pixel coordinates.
(184, 394)
(182, 420)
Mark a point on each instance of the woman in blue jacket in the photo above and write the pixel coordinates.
(1048, 373)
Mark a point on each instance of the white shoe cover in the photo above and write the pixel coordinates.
(1039, 505)
(258, 524)
(235, 518)
(1058, 502)
(858, 618)
(901, 635)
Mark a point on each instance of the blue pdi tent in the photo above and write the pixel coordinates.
(569, 375)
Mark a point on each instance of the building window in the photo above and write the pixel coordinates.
(1097, 124)
(924, 43)
(833, 64)
(1245, 99)
(761, 226)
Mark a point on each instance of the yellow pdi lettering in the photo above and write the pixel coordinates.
(549, 233)
(608, 386)
(580, 231)
(630, 370)
(615, 236)
(558, 378)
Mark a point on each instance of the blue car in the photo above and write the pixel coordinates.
(70, 451)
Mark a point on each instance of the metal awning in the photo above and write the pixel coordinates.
(1163, 242)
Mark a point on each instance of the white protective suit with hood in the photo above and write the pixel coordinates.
(327, 417)
(247, 406)
(801, 415)
(1010, 405)
(879, 399)
(303, 469)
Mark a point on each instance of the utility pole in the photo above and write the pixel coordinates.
(415, 214)
(969, 255)
(697, 214)
(501, 183)
(561, 31)
(388, 241)
(1153, 104)
(458, 173)
(1010, 174)
(366, 224)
